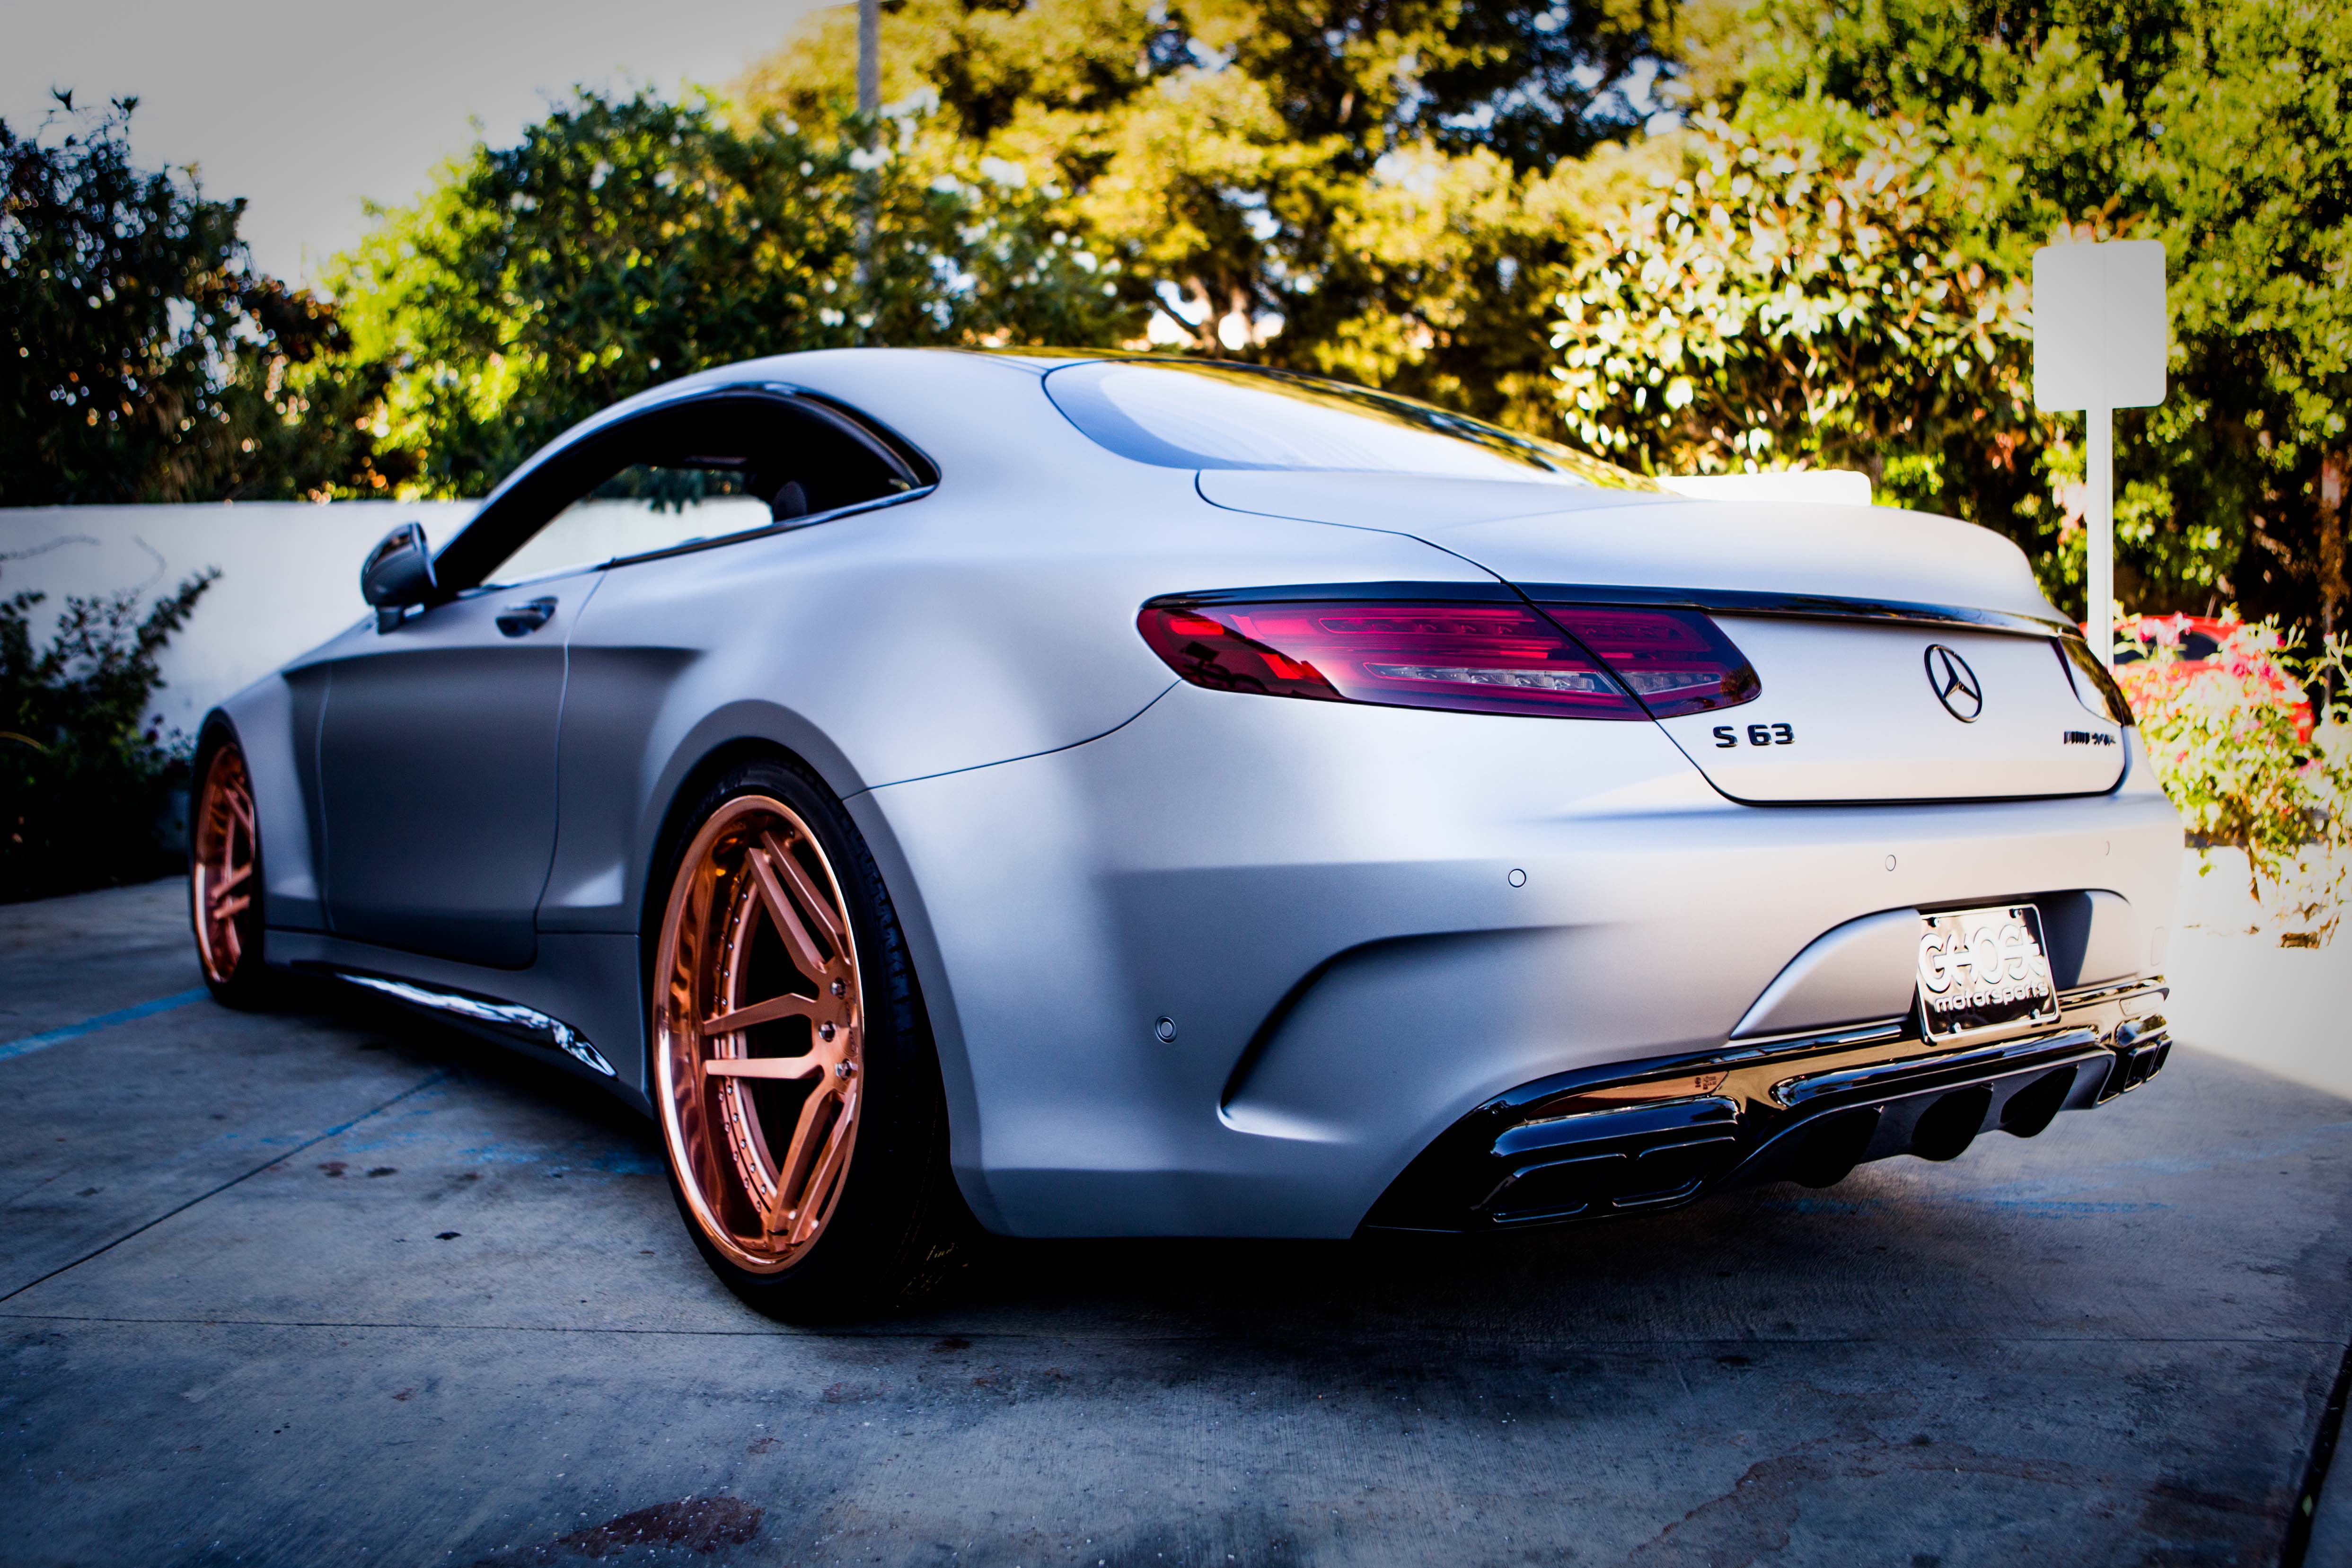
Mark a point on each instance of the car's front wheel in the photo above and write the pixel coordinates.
(793, 1072)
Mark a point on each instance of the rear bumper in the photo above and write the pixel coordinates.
(1638, 1137)
(1360, 924)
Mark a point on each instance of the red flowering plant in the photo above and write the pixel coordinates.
(2254, 742)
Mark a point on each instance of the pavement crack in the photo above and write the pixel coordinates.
(215, 1192)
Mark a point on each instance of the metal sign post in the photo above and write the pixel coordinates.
(870, 106)
(869, 57)
(2099, 518)
(2099, 339)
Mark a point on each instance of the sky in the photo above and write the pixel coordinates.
(306, 108)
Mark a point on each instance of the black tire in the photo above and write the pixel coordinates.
(894, 1230)
(244, 980)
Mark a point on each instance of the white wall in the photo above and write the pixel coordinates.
(289, 577)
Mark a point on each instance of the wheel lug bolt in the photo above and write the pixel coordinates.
(844, 1070)
(839, 989)
(824, 1031)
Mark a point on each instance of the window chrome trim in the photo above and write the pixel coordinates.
(792, 525)
(692, 545)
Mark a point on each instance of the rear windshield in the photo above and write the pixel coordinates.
(1200, 416)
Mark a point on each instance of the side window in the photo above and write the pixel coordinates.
(711, 469)
(646, 507)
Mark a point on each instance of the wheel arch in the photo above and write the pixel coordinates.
(210, 731)
(274, 722)
(934, 994)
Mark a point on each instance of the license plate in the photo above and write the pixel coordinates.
(1984, 969)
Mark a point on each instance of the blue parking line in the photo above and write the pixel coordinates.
(32, 1043)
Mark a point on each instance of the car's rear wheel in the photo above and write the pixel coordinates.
(793, 1072)
(225, 877)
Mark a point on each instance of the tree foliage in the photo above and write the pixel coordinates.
(146, 360)
(1763, 306)
(626, 242)
(1367, 188)
(2249, 184)
(1823, 262)
(2220, 127)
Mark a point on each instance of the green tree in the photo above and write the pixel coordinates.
(146, 360)
(1374, 189)
(2219, 127)
(1761, 304)
(626, 242)
(2249, 184)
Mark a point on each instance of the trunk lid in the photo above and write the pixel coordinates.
(1901, 656)
(1860, 711)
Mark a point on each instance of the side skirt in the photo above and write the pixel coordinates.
(510, 1019)
(583, 991)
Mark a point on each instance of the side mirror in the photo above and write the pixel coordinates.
(398, 573)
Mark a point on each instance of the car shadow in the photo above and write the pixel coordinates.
(419, 1039)
(1736, 1255)
(2062, 1234)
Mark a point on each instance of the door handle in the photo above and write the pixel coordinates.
(520, 620)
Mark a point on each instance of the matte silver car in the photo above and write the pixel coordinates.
(1095, 796)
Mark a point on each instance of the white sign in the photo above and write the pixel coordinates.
(2098, 326)
(2099, 331)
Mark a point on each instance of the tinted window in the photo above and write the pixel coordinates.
(643, 509)
(1182, 416)
(706, 468)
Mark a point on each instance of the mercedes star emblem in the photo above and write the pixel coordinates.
(1955, 684)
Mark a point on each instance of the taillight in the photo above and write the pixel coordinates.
(1677, 661)
(1474, 658)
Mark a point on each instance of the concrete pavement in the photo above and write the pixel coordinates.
(343, 1286)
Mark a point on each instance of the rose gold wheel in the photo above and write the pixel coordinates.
(759, 1034)
(222, 857)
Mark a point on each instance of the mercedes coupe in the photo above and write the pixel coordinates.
(1092, 795)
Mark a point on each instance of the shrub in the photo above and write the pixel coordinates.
(2228, 744)
(147, 358)
(84, 780)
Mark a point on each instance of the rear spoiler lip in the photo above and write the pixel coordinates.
(1718, 601)
(1804, 606)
